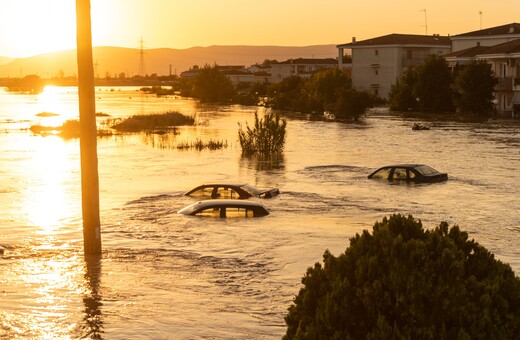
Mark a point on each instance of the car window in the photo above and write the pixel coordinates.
(382, 173)
(238, 212)
(425, 170)
(209, 212)
(203, 193)
(399, 174)
(411, 174)
(225, 192)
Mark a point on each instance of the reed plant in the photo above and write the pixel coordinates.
(200, 145)
(267, 136)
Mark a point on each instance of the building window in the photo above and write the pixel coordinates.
(376, 52)
(376, 72)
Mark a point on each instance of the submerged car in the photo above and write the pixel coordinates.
(409, 172)
(230, 191)
(225, 208)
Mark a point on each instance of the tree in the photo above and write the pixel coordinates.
(402, 95)
(427, 87)
(433, 86)
(350, 104)
(323, 86)
(404, 282)
(475, 84)
(211, 85)
(288, 95)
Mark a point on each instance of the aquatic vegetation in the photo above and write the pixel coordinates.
(157, 121)
(47, 114)
(267, 136)
(69, 129)
(200, 145)
(31, 84)
(158, 90)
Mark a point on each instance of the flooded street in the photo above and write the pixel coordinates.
(166, 276)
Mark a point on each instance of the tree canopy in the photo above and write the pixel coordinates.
(475, 83)
(433, 87)
(211, 85)
(404, 282)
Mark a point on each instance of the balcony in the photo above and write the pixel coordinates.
(505, 84)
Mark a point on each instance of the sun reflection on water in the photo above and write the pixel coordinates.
(47, 203)
(56, 106)
(50, 285)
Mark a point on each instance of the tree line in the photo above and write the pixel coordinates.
(327, 90)
(433, 86)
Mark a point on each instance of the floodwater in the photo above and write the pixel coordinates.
(167, 276)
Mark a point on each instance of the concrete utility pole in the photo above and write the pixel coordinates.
(88, 131)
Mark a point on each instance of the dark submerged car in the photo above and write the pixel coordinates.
(225, 208)
(230, 191)
(418, 173)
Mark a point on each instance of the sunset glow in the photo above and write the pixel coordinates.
(30, 27)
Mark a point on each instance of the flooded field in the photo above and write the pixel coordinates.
(163, 275)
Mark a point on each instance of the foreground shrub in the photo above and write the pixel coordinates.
(266, 137)
(404, 282)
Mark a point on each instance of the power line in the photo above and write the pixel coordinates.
(142, 67)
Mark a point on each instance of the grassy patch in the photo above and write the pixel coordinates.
(152, 122)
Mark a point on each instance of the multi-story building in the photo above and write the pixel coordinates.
(300, 67)
(377, 63)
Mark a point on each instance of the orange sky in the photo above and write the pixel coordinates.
(29, 27)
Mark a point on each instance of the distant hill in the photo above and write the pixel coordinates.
(116, 60)
(5, 60)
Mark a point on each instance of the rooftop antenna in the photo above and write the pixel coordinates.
(142, 68)
(425, 20)
(480, 13)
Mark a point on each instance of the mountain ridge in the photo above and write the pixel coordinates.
(113, 60)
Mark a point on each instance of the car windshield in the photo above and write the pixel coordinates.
(250, 189)
(426, 170)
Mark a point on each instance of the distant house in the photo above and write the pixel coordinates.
(300, 67)
(378, 62)
(500, 47)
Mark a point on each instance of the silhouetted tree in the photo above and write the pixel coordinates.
(475, 84)
(211, 85)
(433, 86)
(402, 95)
(404, 282)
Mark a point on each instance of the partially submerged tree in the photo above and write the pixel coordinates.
(211, 85)
(267, 136)
(404, 282)
(433, 86)
(475, 83)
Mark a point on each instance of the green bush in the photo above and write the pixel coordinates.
(266, 137)
(404, 282)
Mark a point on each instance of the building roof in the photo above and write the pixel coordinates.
(512, 46)
(513, 28)
(327, 61)
(509, 47)
(467, 53)
(402, 39)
